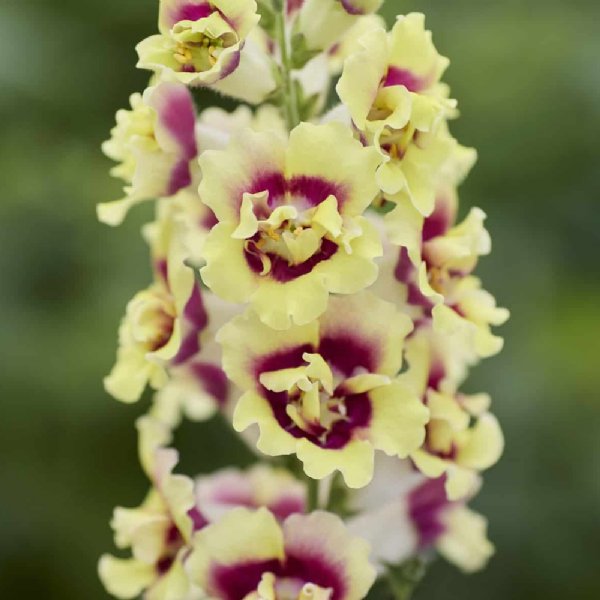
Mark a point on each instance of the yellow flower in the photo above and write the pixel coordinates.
(197, 387)
(327, 391)
(307, 557)
(155, 146)
(402, 514)
(158, 532)
(431, 274)
(291, 229)
(463, 437)
(210, 44)
(392, 88)
(161, 323)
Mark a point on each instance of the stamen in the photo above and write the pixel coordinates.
(266, 264)
(273, 234)
(182, 55)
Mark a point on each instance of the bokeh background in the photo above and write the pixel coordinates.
(526, 74)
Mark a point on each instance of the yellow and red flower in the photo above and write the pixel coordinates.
(391, 87)
(162, 323)
(308, 556)
(402, 514)
(155, 146)
(291, 228)
(463, 438)
(207, 43)
(159, 531)
(327, 391)
(432, 274)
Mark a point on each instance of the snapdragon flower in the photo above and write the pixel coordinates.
(433, 273)
(393, 92)
(327, 391)
(402, 515)
(158, 531)
(199, 41)
(463, 438)
(307, 557)
(291, 227)
(206, 43)
(155, 146)
(197, 387)
(161, 324)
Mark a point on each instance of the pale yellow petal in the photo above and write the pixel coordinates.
(125, 578)
(239, 536)
(226, 272)
(484, 446)
(273, 440)
(399, 418)
(354, 461)
(466, 544)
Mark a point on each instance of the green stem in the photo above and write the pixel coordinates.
(313, 494)
(403, 580)
(289, 97)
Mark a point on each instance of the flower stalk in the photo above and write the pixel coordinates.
(289, 93)
(312, 486)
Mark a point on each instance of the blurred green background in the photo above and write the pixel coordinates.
(526, 75)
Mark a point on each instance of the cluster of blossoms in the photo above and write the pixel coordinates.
(313, 284)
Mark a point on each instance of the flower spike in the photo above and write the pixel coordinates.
(314, 285)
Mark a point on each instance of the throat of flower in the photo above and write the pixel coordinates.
(440, 439)
(200, 55)
(290, 232)
(396, 142)
(200, 50)
(438, 278)
(151, 317)
(315, 412)
(312, 404)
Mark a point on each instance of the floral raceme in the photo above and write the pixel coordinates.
(313, 284)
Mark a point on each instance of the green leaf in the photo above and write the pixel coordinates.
(306, 104)
(403, 579)
(300, 53)
(267, 16)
